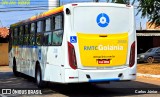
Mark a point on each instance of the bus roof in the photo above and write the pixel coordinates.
(44, 14)
(60, 9)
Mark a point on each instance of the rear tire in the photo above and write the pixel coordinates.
(150, 60)
(38, 78)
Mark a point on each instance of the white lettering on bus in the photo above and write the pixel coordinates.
(101, 47)
(110, 47)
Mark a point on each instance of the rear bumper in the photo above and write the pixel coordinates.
(106, 75)
(126, 73)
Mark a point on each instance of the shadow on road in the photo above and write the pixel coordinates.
(8, 80)
(103, 90)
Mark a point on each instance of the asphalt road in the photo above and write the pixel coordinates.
(127, 89)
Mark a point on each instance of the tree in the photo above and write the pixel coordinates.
(148, 8)
(121, 1)
(151, 10)
(4, 32)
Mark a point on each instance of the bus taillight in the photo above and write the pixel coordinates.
(72, 56)
(132, 55)
(74, 4)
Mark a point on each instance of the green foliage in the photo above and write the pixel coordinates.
(122, 1)
(151, 10)
(148, 8)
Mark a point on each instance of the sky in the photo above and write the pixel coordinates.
(12, 13)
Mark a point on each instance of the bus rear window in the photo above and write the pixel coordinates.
(101, 19)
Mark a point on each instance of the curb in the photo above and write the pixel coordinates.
(148, 75)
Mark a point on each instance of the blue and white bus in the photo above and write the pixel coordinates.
(74, 43)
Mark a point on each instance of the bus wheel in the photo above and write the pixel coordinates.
(15, 72)
(38, 77)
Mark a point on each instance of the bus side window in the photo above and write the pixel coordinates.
(26, 35)
(58, 31)
(33, 27)
(57, 38)
(39, 38)
(53, 23)
(32, 34)
(58, 22)
(48, 38)
(39, 27)
(43, 25)
(39, 35)
(47, 32)
(16, 32)
(21, 32)
(15, 38)
(26, 29)
(48, 24)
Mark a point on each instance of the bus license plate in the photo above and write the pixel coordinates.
(103, 61)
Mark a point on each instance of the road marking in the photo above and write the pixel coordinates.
(148, 75)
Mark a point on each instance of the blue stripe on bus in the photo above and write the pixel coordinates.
(104, 80)
(28, 46)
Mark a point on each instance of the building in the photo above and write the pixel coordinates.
(152, 27)
(148, 38)
(4, 46)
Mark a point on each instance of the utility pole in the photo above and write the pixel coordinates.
(53, 4)
(140, 26)
(1, 23)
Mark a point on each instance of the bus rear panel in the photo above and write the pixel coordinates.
(101, 43)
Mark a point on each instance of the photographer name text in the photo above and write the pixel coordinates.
(15, 2)
(146, 91)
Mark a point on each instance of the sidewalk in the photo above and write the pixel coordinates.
(154, 81)
(5, 69)
(148, 75)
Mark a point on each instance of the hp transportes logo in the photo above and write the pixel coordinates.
(103, 20)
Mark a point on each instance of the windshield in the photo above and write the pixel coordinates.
(150, 50)
(101, 19)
